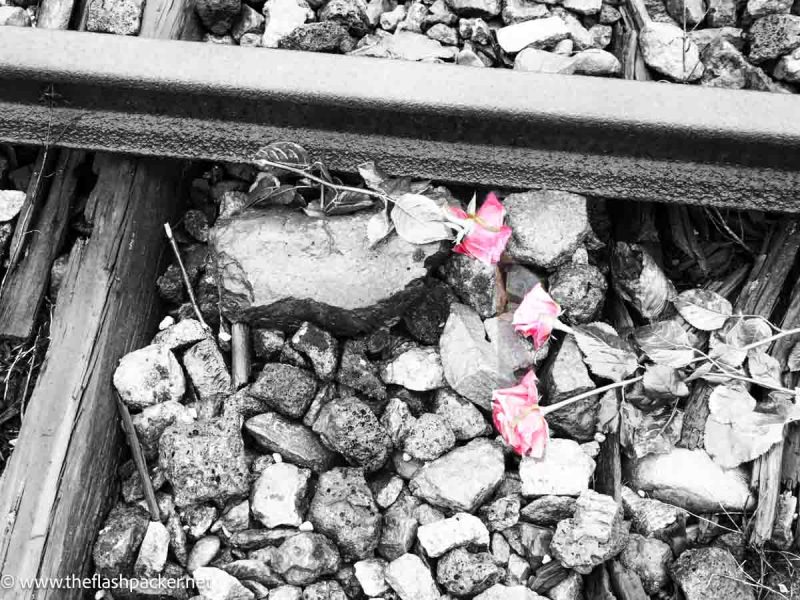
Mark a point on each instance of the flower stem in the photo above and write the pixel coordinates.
(772, 338)
(322, 182)
(564, 403)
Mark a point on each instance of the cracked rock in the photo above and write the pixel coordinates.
(580, 290)
(153, 552)
(397, 420)
(294, 442)
(668, 50)
(508, 592)
(462, 529)
(181, 335)
(649, 558)
(118, 542)
(547, 511)
(464, 573)
(148, 376)
(418, 369)
(501, 513)
(474, 282)
(370, 574)
(399, 528)
(708, 574)
(320, 347)
(426, 318)
(285, 389)
(357, 372)
(207, 372)
(564, 470)
(461, 415)
(153, 420)
(216, 584)
(537, 33)
(429, 437)
(279, 495)
(306, 557)
(652, 518)
(411, 579)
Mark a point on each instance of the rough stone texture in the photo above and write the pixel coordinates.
(286, 592)
(426, 318)
(463, 418)
(721, 13)
(788, 67)
(649, 558)
(279, 495)
(207, 372)
(320, 347)
(399, 529)
(349, 427)
(475, 8)
(327, 36)
(198, 518)
(350, 14)
(397, 420)
(726, 66)
(762, 8)
(470, 365)
(343, 509)
(580, 290)
(284, 388)
(501, 513)
(442, 482)
(370, 575)
(204, 460)
(266, 342)
(386, 489)
(203, 552)
(464, 573)
(357, 372)
(517, 11)
(569, 588)
(666, 49)
(250, 21)
(429, 437)
(548, 226)
(418, 369)
(462, 529)
(564, 470)
(568, 376)
(282, 17)
(508, 592)
(319, 271)
(689, 479)
(153, 420)
(236, 518)
(216, 584)
(253, 570)
(547, 511)
(652, 518)
(536, 33)
(703, 37)
(596, 533)
(692, 11)
(293, 441)
(122, 17)
(305, 557)
(119, 540)
(149, 375)
(512, 351)
(773, 36)
(474, 282)
(181, 335)
(153, 551)
(325, 394)
(709, 574)
(405, 45)
(410, 578)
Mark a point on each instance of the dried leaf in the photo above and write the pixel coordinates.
(794, 358)
(703, 309)
(665, 343)
(285, 153)
(639, 280)
(379, 227)
(663, 382)
(419, 220)
(643, 433)
(729, 402)
(606, 354)
(765, 369)
(11, 202)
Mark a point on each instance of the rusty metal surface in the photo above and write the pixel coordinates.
(490, 127)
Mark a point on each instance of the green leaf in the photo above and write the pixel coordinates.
(419, 220)
(606, 354)
(703, 309)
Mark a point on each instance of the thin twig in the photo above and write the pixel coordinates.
(185, 276)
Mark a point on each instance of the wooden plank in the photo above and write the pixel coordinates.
(54, 492)
(26, 284)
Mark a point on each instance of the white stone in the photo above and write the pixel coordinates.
(286, 592)
(418, 369)
(564, 470)
(668, 50)
(148, 376)
(167, 321)
(11, 202)
(539, 33)
(788, 67)
(306, 526)
(279, 495)
(462, 529)
(370, 575)
(202, 553)
(180, 335)
(542, 61)
(411, 579)
(509, 592)
(584, 7)
(153, 551)
(283, 17)
(216, 584)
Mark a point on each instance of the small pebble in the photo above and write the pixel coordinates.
(277, 457)
(406, 456)
(306, 526)
(546, 559)
(166, 322)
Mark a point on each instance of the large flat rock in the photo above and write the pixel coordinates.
(279, 267)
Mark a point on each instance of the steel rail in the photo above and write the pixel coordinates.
(490, 127)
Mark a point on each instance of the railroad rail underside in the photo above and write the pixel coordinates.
(492, 127)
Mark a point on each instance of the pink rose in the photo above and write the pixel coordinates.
(486, 237)
(519, 419)
(536, 316)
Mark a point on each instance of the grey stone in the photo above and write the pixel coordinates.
(320, 347)
(405, 45)
(314, 258)
(517, 11)
(569, 588)
(216, 584)
(399, 528)
(649, 558)
(294, 442)
(132, 489)
(668, 50)
(464, 573)
(305, 558)
(703, 37)
(153, 552)
(501, 513)
(386, 489)
(762, 8)
(726, 67)
(568, 376)
(426, 514)
(547, 511)
(689, 479)
(235, 518)
(583, 7)
(609, 14)
(346, 576)
(266, 342)
(474, 282)
(579, 35)
(350, 14)
(203, 552)
(397, 420)
(512, 351)
(788, 67)
(517, 571)
(429, 437)
(390, 20)
(439, 12)
(508, 592)
(501, 551)
(349, 427)
(325, 393)
(580, 290)
(478, 31)
(469, 56)
(148, 376)
(357, 372)
(520, 280)
(601, 35)
(153, 420)
(690, 11)
(462, 529)
(405, 465)
(370, 575)
(708, 574)
(279, 495)
(198, 519)
(442, 482)
(285, 389)
(426, 318)
(536, 33)
(418, 368)
(548, 226)
(181, 335)
(207, 372)
(204, 460)
(286, 592)
(593, 535)
(444, 34)
(471, 367)
(411, 579)
(564, 470)
(14, 16)
(773, 36)
(375, 8)
(177, 539)
(475, 8)
(121, 18)
(416, 12)
(250, 21)
(652, 518)
(326, 36)
(218, 15)
(461, 415)
(255, 539)
(282, 17)
(253, 570)
(290, 356)
(118, 542)
(324, 590)
(343, 509)
(721, 13)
